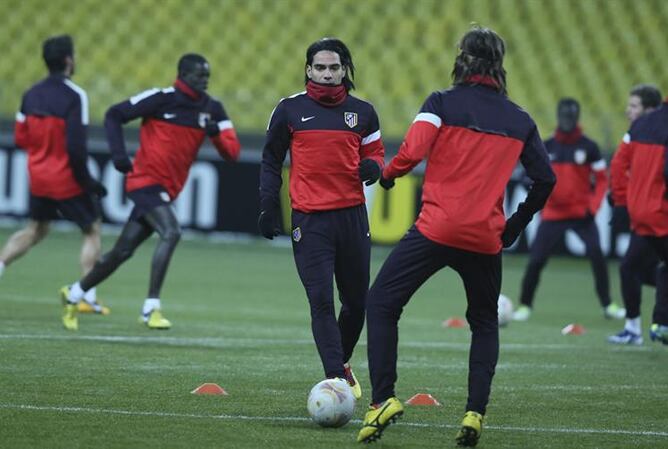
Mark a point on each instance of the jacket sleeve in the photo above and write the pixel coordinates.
(143, 104)
(76, 125)
(372, 144)
(419, 139)
(21, 136)
(536, 163)
(599, 170)
(276, 146)
(226, 141)
(619, 172)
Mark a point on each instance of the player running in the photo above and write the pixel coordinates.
(647, 200)
(472, 136)
(573, 205)
(335, 146)
(51, 127)
(639, 265)
(175, 122)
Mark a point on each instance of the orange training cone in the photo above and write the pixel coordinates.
(422, 399)
(454, 322)
(573, 329)
(210, 389)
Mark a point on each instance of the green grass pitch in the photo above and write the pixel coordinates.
(241, 320)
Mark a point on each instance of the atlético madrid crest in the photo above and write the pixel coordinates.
(350, 119)
(297, 234)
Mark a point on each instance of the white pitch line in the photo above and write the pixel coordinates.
(649, 433)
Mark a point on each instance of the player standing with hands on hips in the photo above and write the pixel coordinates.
(335, 146)
(472, 136)
(175, 122)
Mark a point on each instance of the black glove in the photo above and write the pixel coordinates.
(96, 188)
(386, 183)
(211, 128)
(123, 165)
(369, 171)
(514, 227)
(268, 225)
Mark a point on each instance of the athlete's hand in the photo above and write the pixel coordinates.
(123, 165)
(514, 227)
(97, 188)
(267, 224)
(369, 171)
(386, 183)
(211, 128)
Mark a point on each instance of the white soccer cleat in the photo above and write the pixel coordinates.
(614, 311)
(625, 337)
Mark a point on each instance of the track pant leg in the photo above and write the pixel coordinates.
(352, 266)
(481, 274)
(660, 315)
(588, 232)
(314, 249)
(164, 221)
(639, 266)
(547, 236)
(409, 265)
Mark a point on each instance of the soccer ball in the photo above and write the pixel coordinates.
(331, 403)
(505, 310)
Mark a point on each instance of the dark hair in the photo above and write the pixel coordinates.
(188, 62)
(335, 45)
(481, 53)
(649, 94)
(54, 51)
(568, 101)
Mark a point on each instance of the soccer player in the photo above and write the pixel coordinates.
(576, 161)
(175, 122)
(647, 200)
(335, 146)
(472, 136)
(51, 127)
(639, 265)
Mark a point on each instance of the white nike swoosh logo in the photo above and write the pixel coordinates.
(306, 119)
(168, 116)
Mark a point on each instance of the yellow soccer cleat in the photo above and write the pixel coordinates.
(352, 381)
(157, 321)
(97, 307)
(70, 320)
(471, 429)
(377, 419)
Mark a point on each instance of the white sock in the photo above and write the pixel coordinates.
(76, 293)
(150, 304)
(2, 267)
(633, 325)
(90, 296)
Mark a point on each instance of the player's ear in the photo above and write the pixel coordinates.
(309, 71)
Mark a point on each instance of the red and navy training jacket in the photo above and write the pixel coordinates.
(472, 137)
(576, 165)
(170, 136)
(619, 172)
(51, 127)
(326, 146)
(647, 194)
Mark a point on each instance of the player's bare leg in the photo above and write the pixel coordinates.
(91, 248)
(21, 241)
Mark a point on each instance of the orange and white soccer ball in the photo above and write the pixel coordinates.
(331, 403)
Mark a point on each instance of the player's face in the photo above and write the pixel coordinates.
(634, 108)
(567, 117)
(326, 68)
(198, 77)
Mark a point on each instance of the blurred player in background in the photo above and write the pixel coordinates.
(175, 122)
(647, 200)
(335, 146)
(51, 127)
(639, 265)
(577, 162)
(472, 136)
